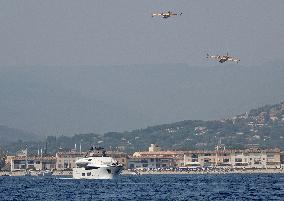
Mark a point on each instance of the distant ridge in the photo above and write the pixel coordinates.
(263, 126)
(9, 135)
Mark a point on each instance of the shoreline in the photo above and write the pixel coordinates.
(242, 171)
(163, 172)
(34, 173)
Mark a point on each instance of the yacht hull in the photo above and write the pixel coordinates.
(98, 173)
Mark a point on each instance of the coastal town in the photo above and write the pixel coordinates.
(155, 161)
(249, 142)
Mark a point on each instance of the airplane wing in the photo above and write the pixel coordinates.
(156, 14)
(233, 59)
(175, 13)
(214, 57)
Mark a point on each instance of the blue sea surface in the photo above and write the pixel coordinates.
(147, 187)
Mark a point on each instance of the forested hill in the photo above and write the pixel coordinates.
(9, 135)
(263, 126)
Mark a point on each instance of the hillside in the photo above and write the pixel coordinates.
(10, 135)
(263, 126)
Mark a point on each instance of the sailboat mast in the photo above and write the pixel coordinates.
(26, 153)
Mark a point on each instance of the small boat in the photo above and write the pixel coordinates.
(27, 173)
(129, 172)
(44, 173)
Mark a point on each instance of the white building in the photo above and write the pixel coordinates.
(154, 147)
(66, 160)
(248, 158)
(150, 162)
(19, 163)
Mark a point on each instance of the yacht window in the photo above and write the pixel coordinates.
(81, 165)
(90, 160)
(91, 168)
(88, 174)
(83, 174)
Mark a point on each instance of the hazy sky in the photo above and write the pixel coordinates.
(122, 32)
(96, 66)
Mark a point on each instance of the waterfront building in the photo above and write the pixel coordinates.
(121, 157)
(248, 158)
(282, 159)
(19, 163)
(202, 158)
(151, 162)
(253, 157)
(66, 160)
(156, 158)
(273, 158)
(176, 156)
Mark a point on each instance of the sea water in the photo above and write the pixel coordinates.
(147, 187)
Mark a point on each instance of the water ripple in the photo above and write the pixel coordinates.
(146, 187)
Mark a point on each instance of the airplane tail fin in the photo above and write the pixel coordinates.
(207, 55)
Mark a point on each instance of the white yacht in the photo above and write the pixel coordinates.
(96, 165)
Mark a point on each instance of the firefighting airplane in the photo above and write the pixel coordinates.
(223, 58)
(166, 14)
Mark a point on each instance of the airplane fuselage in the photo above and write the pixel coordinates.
(165, 15)
(223, 58)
